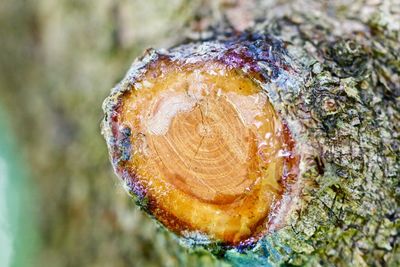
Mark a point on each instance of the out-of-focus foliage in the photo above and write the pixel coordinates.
(17, 217)
(58, 61)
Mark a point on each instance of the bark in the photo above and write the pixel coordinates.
(60, 58)
(341, 104)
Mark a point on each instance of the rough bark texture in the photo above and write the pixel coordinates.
(348, 110)
(58, 62)
(343, 110)
(349, 106)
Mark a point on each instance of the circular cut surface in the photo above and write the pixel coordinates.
(211, 148)
(208, 150)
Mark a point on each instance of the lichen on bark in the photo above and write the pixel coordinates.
(348, 212)
(343, 108)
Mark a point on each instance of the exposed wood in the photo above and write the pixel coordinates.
(206, 148)
(60, 58)
(336, 89)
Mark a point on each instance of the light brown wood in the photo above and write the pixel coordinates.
(208, 148)
(207, 152)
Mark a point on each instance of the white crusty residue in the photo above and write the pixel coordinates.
(248, 107)
(164, 109)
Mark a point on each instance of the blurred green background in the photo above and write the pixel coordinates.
(60, 203)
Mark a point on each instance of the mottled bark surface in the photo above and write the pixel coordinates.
(59, 61)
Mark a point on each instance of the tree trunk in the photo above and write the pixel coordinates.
(332, 79)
